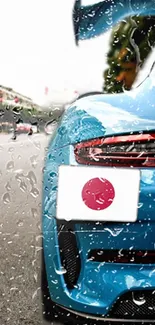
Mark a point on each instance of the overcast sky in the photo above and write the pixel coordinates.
(38, 48)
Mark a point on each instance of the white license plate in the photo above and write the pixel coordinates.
(98, 194)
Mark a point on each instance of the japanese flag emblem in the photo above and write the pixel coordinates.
(98, 194)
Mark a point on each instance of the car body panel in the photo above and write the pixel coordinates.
(100, 284)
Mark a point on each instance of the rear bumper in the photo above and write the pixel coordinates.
(82, 317)
(98, 284)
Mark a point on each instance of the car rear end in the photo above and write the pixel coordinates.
(101, 269)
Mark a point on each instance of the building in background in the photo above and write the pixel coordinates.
(12, 99)
(19, 113)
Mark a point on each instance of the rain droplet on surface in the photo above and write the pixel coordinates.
(8, 186)
(17, 110)
(115, 232)
(6, 198)
(19, 176)
(61, 270)
(10, 165)
(39, 225)
(51, 126)
(33, 160)
(152, 273)
(34, 212)
(139, 301)
(33, 262)
(37, 144)
(35, 276)
(140, 205)
(37, 250)
(14, 289)
(23, 186)
(39, 237)
(35, 294)
(32, 178)
(1, 112)
(11, 149)
(34, 192)
(20, 223)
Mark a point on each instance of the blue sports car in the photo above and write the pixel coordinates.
(97, 263)
(99, 211)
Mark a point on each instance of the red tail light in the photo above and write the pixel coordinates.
(118, 151)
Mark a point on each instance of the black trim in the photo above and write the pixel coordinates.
(69, 253)
(122, 256)
(91, 93)
(137, 304)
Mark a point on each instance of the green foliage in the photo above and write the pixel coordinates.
(131, 42)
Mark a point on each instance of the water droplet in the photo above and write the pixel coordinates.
(6, 198)
(20, 223)
(139, 301)
(140, 205)
(39, 225)
(37, 144)
(52, 174)
(33, 160)
(152, 308)
(114, 232)
(35, 293)
(10, 165)
(39, 237)
(61, 270)
(34, 213)
(17, 110)
(35, 276)
(14, 289)
(152, 273)
(62, 130)
(23, 186)
(34, 192)
(19, 177)
(9, 310)
(1, 112)
(8, 186)
(37, 249)
(33, 262)
(55, 281)
(32, 178)
(11, 149)
(51, 126)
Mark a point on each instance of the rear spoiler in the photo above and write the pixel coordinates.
(93, 20)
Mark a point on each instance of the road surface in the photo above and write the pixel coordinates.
(21, 164)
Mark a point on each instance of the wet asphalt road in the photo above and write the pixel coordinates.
(21, 164)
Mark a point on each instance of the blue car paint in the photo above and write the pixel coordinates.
(100, 284)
